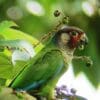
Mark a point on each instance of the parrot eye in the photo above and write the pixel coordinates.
(73, 33)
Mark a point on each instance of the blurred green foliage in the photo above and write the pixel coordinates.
(10, 94)
(82, 13)
(13, 41)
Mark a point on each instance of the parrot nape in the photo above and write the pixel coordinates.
(43, 71)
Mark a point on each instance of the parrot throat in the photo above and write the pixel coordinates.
(66, 52)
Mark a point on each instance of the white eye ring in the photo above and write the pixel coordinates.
(65, 37)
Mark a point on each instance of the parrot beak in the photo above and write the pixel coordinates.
(83, 42)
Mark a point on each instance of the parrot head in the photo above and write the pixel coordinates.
(71, 38)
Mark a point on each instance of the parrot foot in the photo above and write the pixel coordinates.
(87, 59)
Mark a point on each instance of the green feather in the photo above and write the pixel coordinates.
(42, 72)
(44, 62)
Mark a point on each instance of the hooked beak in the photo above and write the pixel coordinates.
(83, 42)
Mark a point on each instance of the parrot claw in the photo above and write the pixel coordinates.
(87, 59)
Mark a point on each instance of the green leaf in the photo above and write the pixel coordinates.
(1, 48)
(13, 34)
(18, 44)
(5, 66)
(2, 82)
(6, 24)
(18, 55)
(17, 39)
(7, 70)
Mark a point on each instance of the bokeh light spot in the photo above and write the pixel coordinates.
(35, 8)
(14, 13)
(87, 8)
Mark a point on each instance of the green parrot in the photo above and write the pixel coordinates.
(42, 73)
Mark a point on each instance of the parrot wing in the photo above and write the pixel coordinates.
(42, 69)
